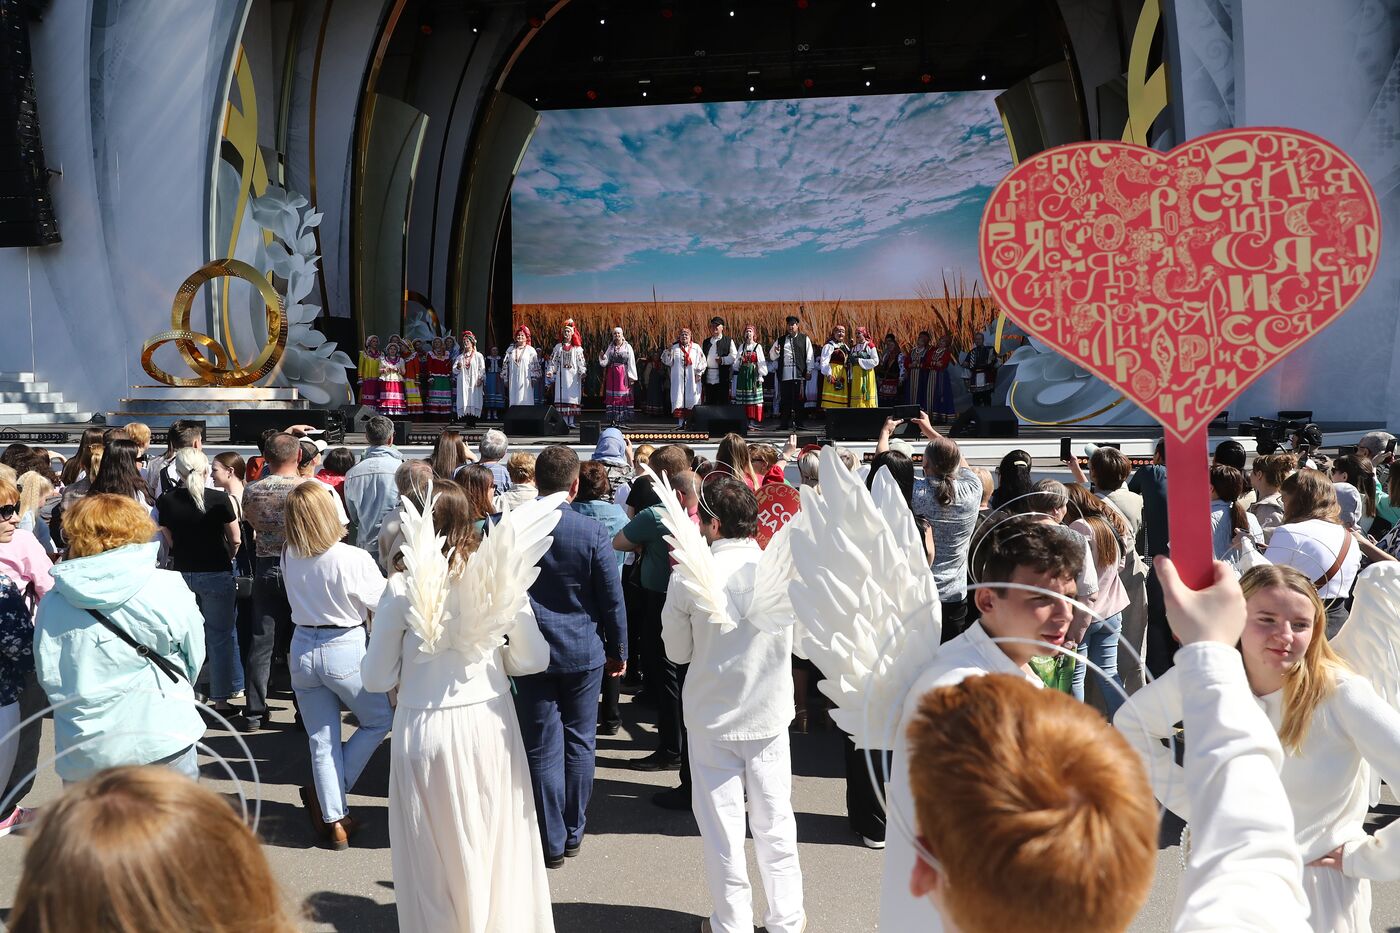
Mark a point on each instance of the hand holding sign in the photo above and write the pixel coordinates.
(1180, 277)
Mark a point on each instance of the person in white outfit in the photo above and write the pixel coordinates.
(737, 702)
(565, 372)
(470, 369)
(1000, 770)
(521, 368)
(1331, 724)
(464, 838)
(1313, 540)
(1021, 551)
(686, 361)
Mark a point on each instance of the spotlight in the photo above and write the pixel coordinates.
(591, 94)
(602, 22)
(926, 78)
(808, 83)
(697, 90)
(750, 88)
(984, 77)
(644, 93)
(867, 84)
(872, 4)
(667, 12)
(731, 12)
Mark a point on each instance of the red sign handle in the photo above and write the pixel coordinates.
(1188, 509)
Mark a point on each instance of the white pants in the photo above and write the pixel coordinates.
(722, 774)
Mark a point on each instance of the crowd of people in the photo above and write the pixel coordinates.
(787, 375)
(486, 609)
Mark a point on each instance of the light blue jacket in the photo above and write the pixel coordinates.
(126, 710)
(370, 492)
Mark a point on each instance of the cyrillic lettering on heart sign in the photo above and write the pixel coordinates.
(1180, 277)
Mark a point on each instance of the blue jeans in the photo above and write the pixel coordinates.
(216, 596)
(559, 723)
(325, 667)
(1101, 647)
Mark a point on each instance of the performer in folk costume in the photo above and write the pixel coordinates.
(619, 364)
(793, 361)
(565, 372)
(863, 360)
(719, 363)
(981, 365)
(749, 375)
(1335, 714)
(889, 374)
(369, 372)
(918, 365)
(391, 382)
(686, 362)
(449, 632)
(439, 381)
(725, 617)
(522, 367)
(834, 366)
(453, 351)
(470, 369)
(412, 384)
(942, 405)
(658, 388)
(495, 398)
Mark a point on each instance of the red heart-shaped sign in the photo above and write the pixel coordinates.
(1180, 277)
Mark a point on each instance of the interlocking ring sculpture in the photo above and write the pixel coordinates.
(203, 353)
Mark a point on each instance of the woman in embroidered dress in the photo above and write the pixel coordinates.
(864, 358)
(391, 382)
(412, 384)
(439, 368)
(889, 374)
(369, 372)
(471, 379)
(522, 367)
(494, 390)
(687, 365)
(918, 365)
(619, 375)
(941, 406)
(565, 372)
(748, 376)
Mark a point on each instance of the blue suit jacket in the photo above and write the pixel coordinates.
(578, 597)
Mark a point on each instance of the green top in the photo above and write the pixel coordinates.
(646, 529)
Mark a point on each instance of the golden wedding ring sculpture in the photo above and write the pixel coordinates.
(205, 355)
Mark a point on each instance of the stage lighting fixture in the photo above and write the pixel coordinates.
(984, 77)
(867, 67)
(697, 90)
(591, 94)
(867, 84)
(750, 88)
(602, 22)
(802, 4)
(808, 83)
(731, 12)
(667, 12)
(644, 93)
(926, 78)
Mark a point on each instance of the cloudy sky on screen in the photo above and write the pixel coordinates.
(859, 197)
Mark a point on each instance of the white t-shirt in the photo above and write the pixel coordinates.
(340, 587)
(1311, 547)
(340, 512)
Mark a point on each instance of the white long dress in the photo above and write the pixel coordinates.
(470, 370)
(464, 838)
(1327, 783)
(685, 380)
(566, 368)
(522, 364)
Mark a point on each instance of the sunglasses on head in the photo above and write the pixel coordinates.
(8, 512)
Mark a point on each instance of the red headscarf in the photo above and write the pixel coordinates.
(468, 335)
(522, 329)
(576, 341)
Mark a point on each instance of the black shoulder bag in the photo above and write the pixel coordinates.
(169, 670)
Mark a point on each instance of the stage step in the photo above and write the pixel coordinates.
(74, 421)
(30, 407)
(13, 376)
(22, 387)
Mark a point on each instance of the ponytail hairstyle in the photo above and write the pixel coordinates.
(192, 467)
(941, 461)
(1228, 485)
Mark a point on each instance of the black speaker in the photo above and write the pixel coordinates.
(986, 421)
(589, 432)
(246, 425)
(533, 421)
(401, 430)
(855, 424)
(26, 210)
(719, 420)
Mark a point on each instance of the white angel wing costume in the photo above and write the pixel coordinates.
(871, 618)
(472, 611)
(1370, 640)
(770, 610)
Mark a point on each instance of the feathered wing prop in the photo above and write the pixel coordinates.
(870, 612)
(1370, 641)
(472, 612)
(771, 611)
(494, 586)
(426, 570)
(695, 565)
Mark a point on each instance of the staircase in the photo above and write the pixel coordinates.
(23, 401)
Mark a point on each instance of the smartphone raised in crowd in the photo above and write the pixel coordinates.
(1390, 446)
(1065, 452)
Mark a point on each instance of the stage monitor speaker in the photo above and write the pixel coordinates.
(246, 425)
(589, 432)
(357, 416)
(855, 424)
(986, 421)
(533, 421)
(719, 420)
(401, 431)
